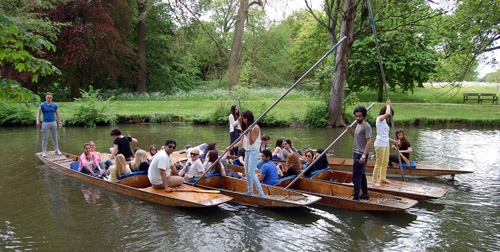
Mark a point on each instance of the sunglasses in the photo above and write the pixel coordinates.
(155, 148)
(194, 154)
(171, 147)
(309, 156)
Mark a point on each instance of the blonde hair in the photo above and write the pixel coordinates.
(293, 162)
(120, 165)
(140, 157)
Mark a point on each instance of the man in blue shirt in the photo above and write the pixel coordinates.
(50, 112)
(268, 171)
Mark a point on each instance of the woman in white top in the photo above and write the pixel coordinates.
(251, 143)
(382, 144)
(234, 127)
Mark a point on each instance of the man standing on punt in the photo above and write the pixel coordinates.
(50, 112)
(362, 141)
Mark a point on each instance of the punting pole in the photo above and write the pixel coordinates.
(276, 102)
(372, 21)
(324, 152)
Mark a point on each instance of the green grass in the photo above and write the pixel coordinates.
(425, 106)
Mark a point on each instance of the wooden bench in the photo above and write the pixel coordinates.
(480, 97)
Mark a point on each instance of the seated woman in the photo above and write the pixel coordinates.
(120, 167)
(88, 162)
(404, 147)
(152, 151)
(292, 165)
(288, 149)
(278, 151)
(212, 156)
(321, 163)
(309, 154)
(140, 162)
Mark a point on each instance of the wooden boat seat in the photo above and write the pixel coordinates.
(413, 165)
(136, 181)
(208, 176)
(317, 173)
(283, 182)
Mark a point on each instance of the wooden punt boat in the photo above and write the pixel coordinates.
(139, 186)
(396, 188)
(339, 195)
(420, 171)
(275, 196)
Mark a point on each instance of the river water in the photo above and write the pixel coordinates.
(42, 210)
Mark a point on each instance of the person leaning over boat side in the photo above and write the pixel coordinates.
(196, 168)
(116, 170)
(320, 164)
(140, 162)
(404, 147)
(212, 156)
(162, 172)
(251, 143)
(362, 141)
(88, 162)
(49, 109)
(268, 170)
(234, 127)
(278, 150)
(121, 144)
(381, 144)
(292, 165)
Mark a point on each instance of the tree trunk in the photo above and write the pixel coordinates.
(380, 94)
(239, 29)
(142, 75)
(341, 65)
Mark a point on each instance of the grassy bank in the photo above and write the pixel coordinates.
(425, 107)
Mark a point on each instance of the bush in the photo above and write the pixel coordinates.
(13, 114)
(91, 110)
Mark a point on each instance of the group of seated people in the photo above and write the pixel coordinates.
(283, 148)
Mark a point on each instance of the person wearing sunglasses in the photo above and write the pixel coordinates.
(152, 152)
(162, 172)
(193, 167)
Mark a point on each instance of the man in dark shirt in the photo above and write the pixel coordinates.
(121, 144)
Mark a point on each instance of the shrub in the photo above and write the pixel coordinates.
(92, 110)
(13, 114)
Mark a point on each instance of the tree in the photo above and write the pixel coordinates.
(92, 49)
(468, 34)
(494, 78)
(16, 52)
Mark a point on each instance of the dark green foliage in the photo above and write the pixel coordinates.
(220, 116)
(92, 110)
(316, 115)
(12, 114)
(161, 117)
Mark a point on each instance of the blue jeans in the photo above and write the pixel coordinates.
(359, 177)
(251, 159)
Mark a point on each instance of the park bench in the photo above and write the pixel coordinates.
(480, 97)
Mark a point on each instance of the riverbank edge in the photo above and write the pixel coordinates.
(169, 117)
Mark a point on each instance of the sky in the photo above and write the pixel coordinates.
(280, 10)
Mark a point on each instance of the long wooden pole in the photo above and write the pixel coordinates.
(276, 102)
(324, 152)
(372, 21)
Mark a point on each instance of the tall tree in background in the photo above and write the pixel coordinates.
(239, 29)
(92, 50)
(141, 27)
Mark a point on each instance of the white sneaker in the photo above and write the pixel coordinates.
(44, 154)
(58, 153)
